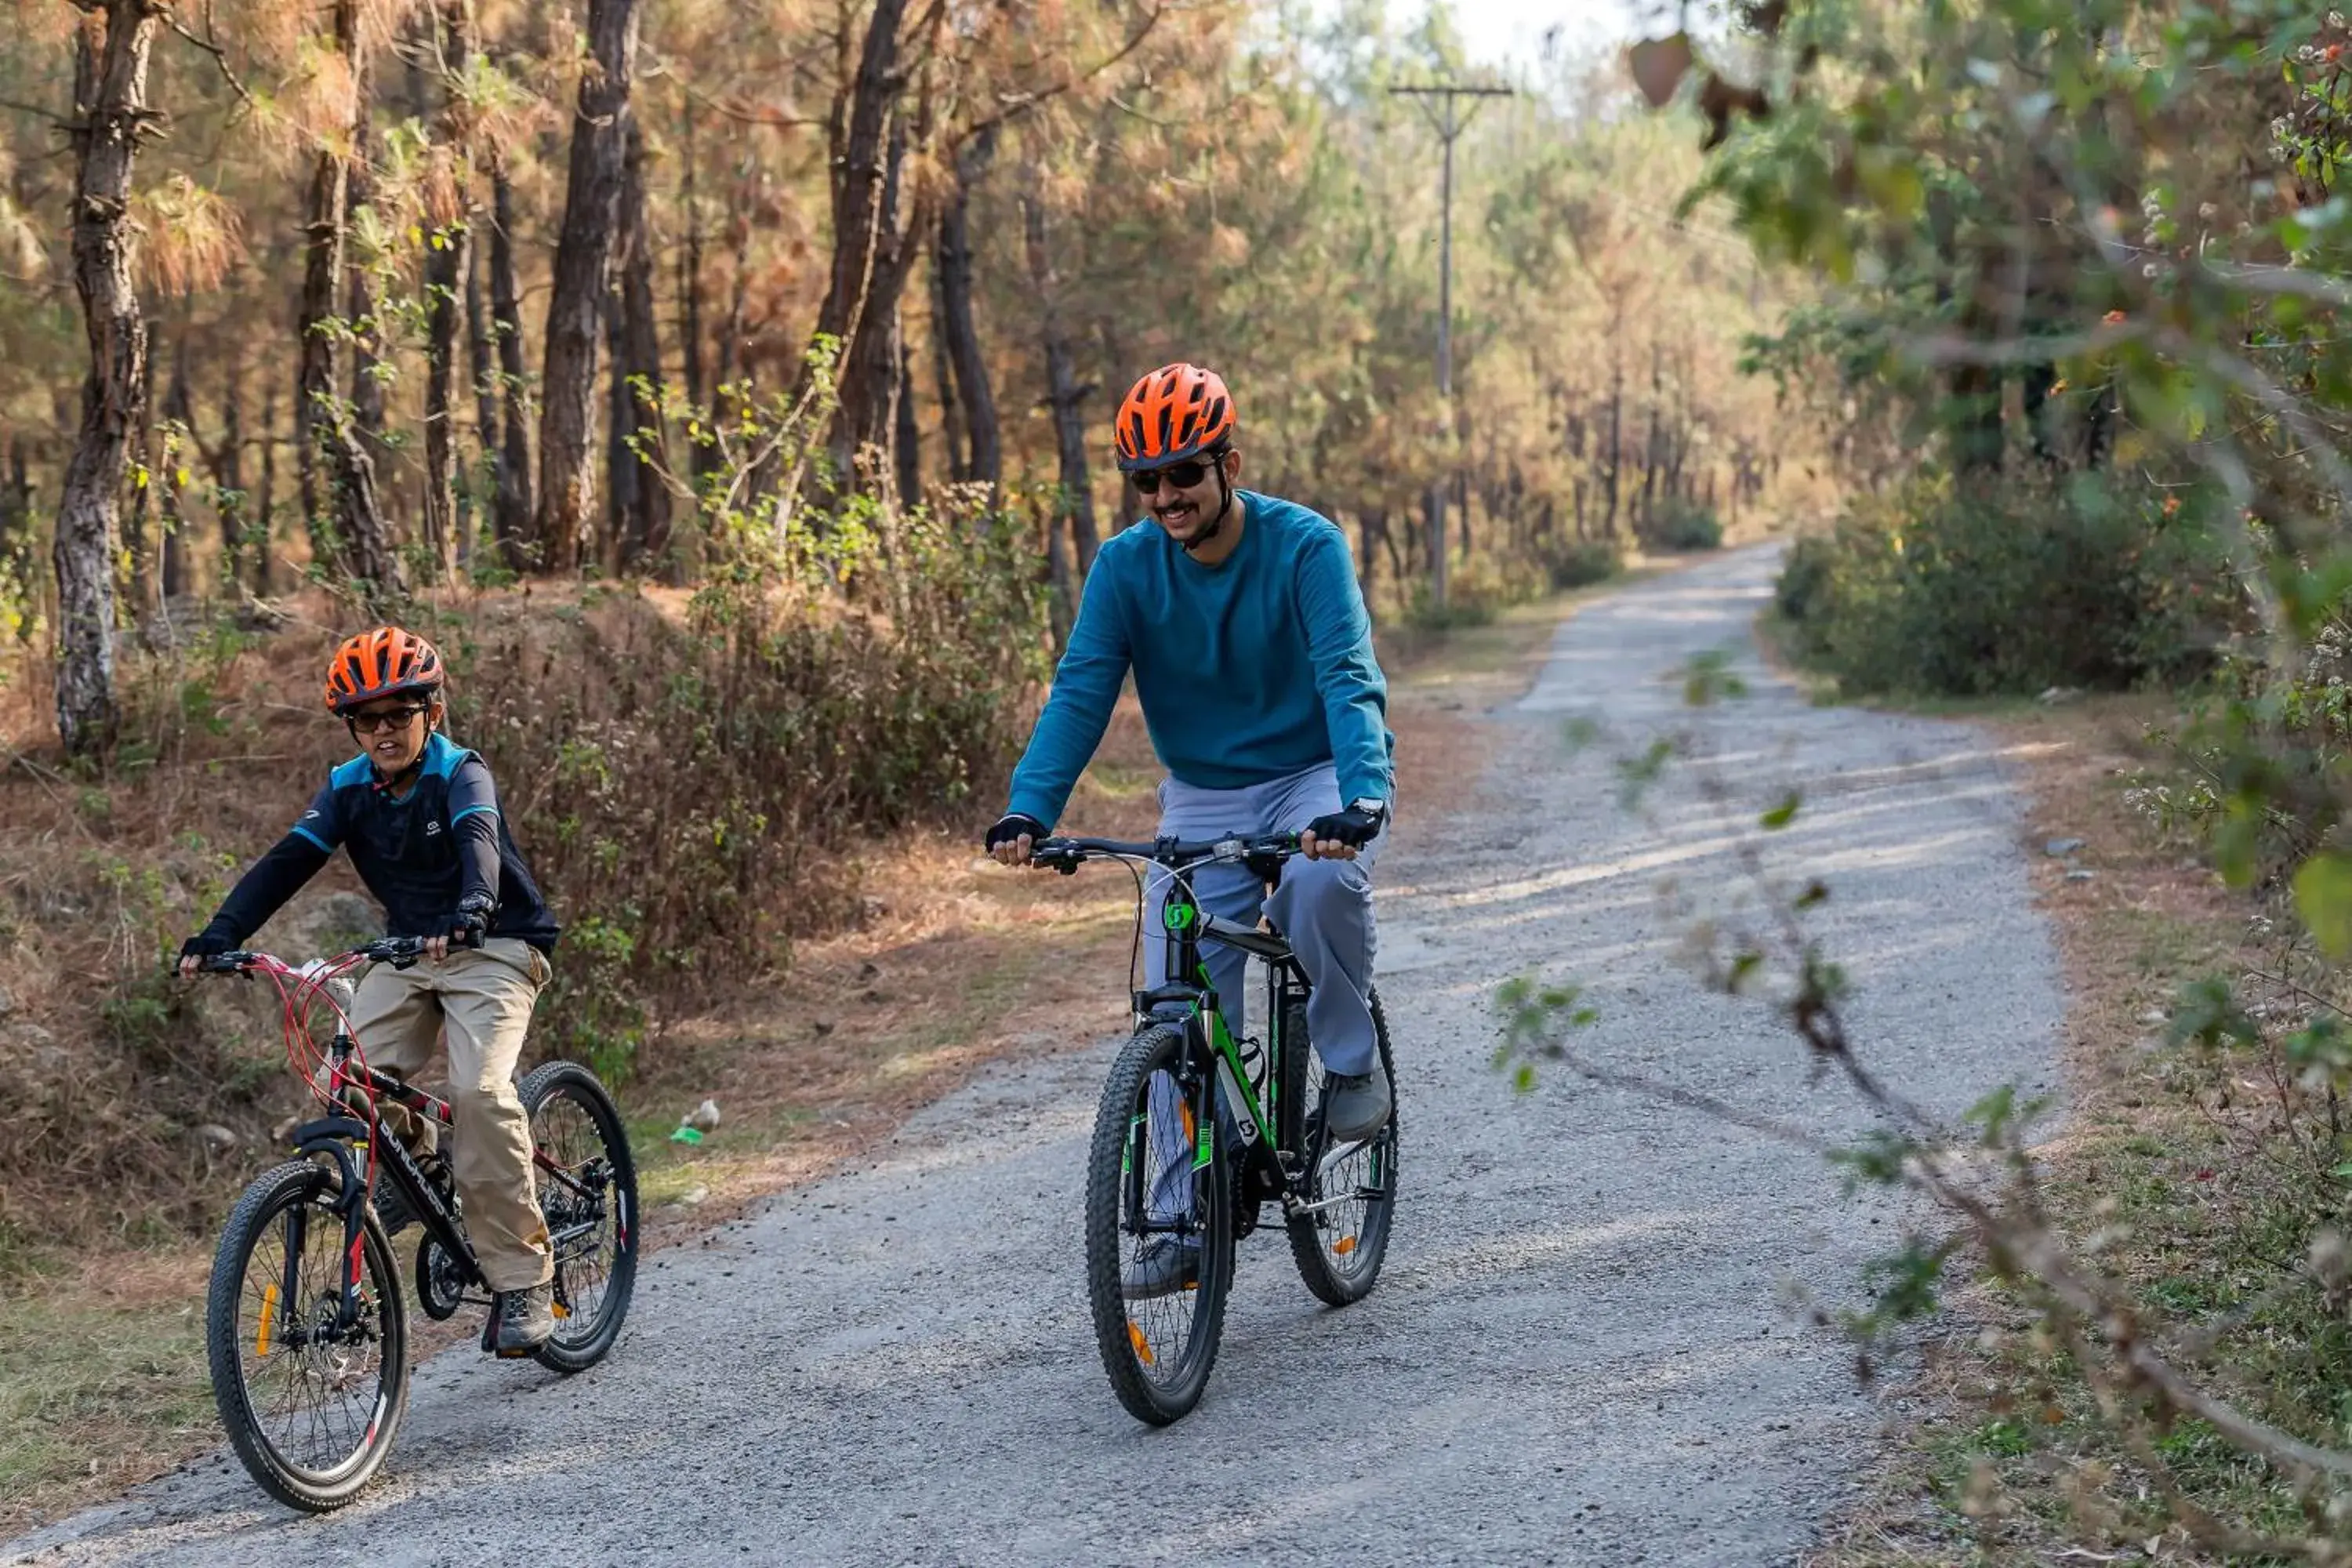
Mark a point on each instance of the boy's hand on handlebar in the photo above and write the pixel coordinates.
(467, 928)
(1015, 838)
(205, 943)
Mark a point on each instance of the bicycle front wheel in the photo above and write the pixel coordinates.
(312, 1393)
(1160, 1243)
(590, 1199)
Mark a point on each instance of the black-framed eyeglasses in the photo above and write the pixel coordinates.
(392, 718)
(1183, 475)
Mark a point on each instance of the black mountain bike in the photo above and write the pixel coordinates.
(1198, 1131)
(306, 1326)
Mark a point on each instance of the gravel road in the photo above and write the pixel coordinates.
(1581, 1351)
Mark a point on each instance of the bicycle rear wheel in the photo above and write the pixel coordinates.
(1339, 1244)
(591, 1204)
(311, 1404)
(1157, 1177)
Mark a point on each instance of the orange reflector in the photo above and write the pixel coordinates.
(559, 1309)
(1344, 1245)
(1189, 1129)
(1143, 1346)
(268, 1311)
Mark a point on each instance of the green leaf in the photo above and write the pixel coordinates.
(1782, 815)
(2323, 897)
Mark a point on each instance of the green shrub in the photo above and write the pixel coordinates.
(1580, 563)
(1686, 525)
(2019, 584)
(695, 782)
(1804, 578)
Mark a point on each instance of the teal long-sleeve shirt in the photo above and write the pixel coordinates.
(1250, 670)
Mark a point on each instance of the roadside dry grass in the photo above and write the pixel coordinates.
(957, 964)
(2005, 1459)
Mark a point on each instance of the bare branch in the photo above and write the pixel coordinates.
(213, 47)
(1016, 105)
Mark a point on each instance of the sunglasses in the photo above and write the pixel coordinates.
(1183, 476)
(392, 718)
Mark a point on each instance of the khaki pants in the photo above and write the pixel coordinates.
(482, 998)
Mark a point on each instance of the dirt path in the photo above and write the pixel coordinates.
(1579, 1353)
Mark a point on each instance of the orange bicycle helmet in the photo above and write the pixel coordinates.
(385, 662)
(1179, 411)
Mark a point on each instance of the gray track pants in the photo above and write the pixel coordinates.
(1323, 908)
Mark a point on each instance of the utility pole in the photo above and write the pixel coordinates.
(1448, 120)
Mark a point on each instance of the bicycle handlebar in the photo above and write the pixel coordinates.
(1067, 855)
(400, 951)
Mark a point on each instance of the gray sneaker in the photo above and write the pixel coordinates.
(1161, 1266)
(1356, 1106)
(525, 1319)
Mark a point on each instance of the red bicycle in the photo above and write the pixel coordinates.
(307, 1326)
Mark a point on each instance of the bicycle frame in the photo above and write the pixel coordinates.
(1269, 1130)
(333, 1136)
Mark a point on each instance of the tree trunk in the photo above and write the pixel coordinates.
(230, 504)
(110, 114)
(960, 335)
(943, 375)
(172, 476)
(264, 499)
(1130, 499)
(356, 544)
(449, 266)
(907, 435)
(358, 192)
(139, 529)
(689, 267)
(644, 515)
(17, 518)
(513, 522)
(1062, 388)
(444, 271)
(1616, 447)
(482, 364)
(872, 247)
(1063, 609)
(592, 208)
(739, 234)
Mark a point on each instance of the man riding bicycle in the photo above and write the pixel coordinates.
(1239, 616)
(419, 816)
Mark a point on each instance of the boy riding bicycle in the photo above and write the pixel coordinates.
(419, 816)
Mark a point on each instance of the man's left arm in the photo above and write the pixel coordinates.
(1347, 674)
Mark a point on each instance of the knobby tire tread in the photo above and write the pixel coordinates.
(538, 1087)
(266, 1198)
(1150, 1049)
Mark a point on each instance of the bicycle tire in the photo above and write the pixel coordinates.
(262, 1205)
(582, 1339)
(1131, 1355)
(1366, 1246)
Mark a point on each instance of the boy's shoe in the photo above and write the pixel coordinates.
(525, 1319)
